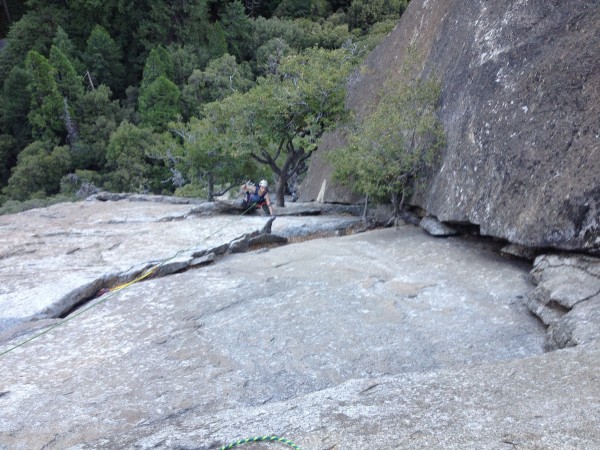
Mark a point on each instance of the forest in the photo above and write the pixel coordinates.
(183, 97)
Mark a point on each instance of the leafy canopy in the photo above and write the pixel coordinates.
(279, 121)
(391, 148)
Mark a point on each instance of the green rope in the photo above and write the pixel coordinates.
(261, 439)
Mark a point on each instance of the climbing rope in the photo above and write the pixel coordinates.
(114, 290)
(261, 439)
(111, 292)
(146, 274)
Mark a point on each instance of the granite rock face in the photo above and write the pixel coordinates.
(386, 338)
(54, 259)
(567, 298)
(520, 106)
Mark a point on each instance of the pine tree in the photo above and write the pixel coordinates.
(217, 43)
(158, 64)
(16, 102)
(45, 114)
(103, 60)
(238, 31)
(159, 103)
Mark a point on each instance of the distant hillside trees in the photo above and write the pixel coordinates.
(76, 77)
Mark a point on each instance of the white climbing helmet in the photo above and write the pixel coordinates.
(263, 183)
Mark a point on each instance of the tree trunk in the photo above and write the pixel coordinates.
(70, 125)
(280, 189)
(211, 187)
(396, 201)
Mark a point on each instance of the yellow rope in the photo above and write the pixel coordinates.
(145, 275)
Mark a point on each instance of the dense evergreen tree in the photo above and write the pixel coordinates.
(238, 31)
(65, 45)
(34, 31)
(16, 100)
(159, 103)
(190, 22)
(294, 9)
(364, 14)
(217, 42)
(103, 60)
(158, 63)
(68, 81)
(46, 110)
(187, 58)
(97, 117)
(8, 157)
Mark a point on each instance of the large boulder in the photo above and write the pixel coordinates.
(567, 298)
(520, 106)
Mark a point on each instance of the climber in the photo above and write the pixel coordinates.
(258, 196)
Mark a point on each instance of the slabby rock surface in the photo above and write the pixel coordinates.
(383, 339)
(53, 258)
(520, 105)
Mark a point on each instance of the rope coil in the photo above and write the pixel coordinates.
(271, 438)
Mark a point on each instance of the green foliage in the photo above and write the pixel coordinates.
(38, 171)
(159, 103)
(390, 149)
(270, 55)
(67, 65)
(8, 157)
(205, 157)
(62, 42)
(190, 21)
(289, 31)
(333, 37)
(68, 82)
(81, 184)
(238, 31)
(364, 14)
(279, 121)
(294, 9)
(154, 24)
(185, 60)
(103, 59)
(16, 100)
(217, 42)
(46, 102)
(192, 190)
(98, 117)
(131, 161)
(158, 63)
(222, 77)
(320, 8)
(377, 33)
(34, 31)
